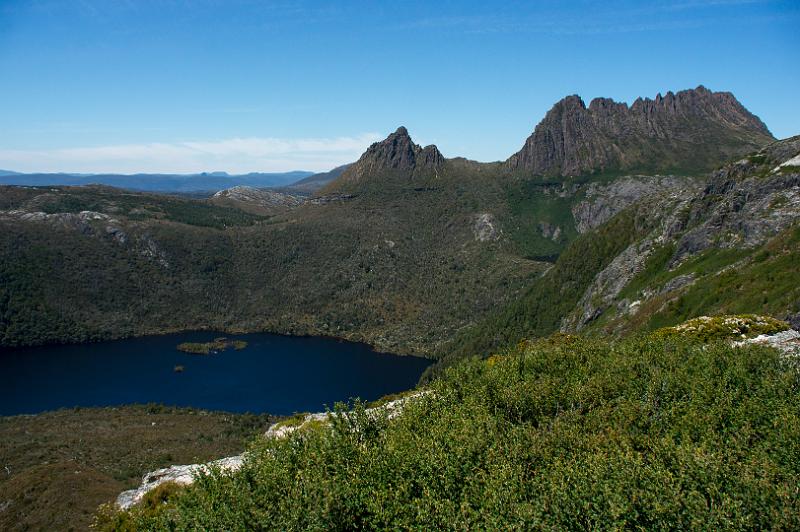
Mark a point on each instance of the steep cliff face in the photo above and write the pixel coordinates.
(690, 131)
(737, 233)
(654, 251)
(397, 156)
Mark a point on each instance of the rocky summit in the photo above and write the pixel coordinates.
(397, 154)
(689, 130)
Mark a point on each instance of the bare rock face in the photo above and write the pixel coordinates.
(746, 202)
(689, 131)
(548, 230)
(486, 228)
(258, 195)
(179, 474)
(741, 206)
(397, 156)
(603, 201)
(787, 342)
(607, 285)
(257, 200)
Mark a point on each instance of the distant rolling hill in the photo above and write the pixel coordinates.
(318, 181)
(206, 181)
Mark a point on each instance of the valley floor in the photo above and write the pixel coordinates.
(56, 468)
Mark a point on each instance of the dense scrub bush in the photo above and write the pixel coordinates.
(559, 434)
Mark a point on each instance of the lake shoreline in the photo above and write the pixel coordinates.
(276, 374)
(233, 331)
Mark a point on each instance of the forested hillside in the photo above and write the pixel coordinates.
(405, 249)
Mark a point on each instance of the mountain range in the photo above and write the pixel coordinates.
(545, 286)
(609, 215)
(182, 183)
(686, 132)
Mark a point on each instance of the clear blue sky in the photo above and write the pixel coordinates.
(238, 85)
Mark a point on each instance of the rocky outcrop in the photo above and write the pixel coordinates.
(179, 474)
(603, 201)
(87, 223)
(81, 221)
(692, 130)
(333, 197)
(259, 200)
(186, 474)
(486, 228)
(548, 230)
(665, 210)
(745, 203)
(93, 224)
(786, 341)
(607, 285)
(397, 156)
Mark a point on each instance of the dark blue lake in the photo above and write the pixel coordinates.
(274, 374)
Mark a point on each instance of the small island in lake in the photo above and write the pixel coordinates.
(215, 346)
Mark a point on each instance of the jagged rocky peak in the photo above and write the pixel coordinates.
(398, 151)
(397, 154)
(692, 130)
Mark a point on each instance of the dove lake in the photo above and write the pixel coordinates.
(272, 374)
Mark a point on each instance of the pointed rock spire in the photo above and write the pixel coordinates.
(397, 155)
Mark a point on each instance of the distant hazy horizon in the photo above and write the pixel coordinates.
(240, 86)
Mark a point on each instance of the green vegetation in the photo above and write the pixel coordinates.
(656, 273)
(381, 401)
(140, 206)
(153, 504)
(531, 204)
(560, 434)
(200, 348)
(368, 269)
(766, 281)
(57, 467)
(206, 348)
(659, 431)
(540, 310)
(762, 280)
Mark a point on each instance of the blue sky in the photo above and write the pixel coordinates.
(241, 85)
